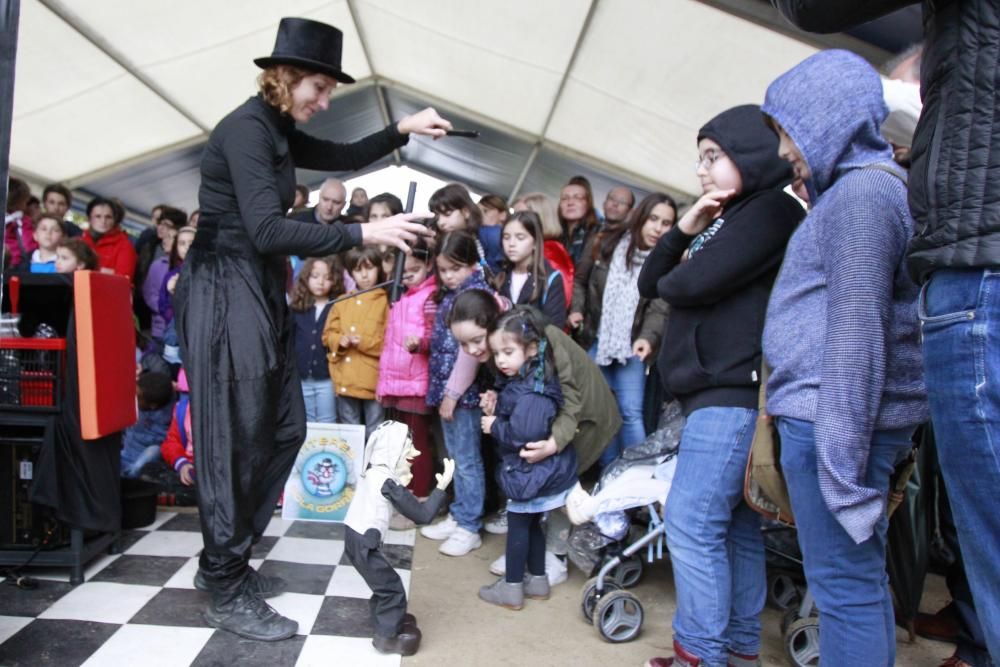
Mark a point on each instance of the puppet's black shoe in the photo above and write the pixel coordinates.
(247, 615)
(268, 587)
(405, 643)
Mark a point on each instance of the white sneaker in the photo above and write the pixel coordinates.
(460, 542)
(441, 530)
(498, 524)
(555, 568)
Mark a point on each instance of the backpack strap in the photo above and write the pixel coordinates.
(548, 284)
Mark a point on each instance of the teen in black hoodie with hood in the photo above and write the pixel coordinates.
(715, 268)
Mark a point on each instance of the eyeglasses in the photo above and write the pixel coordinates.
(709, 158)
(573, 198)
(620, 202)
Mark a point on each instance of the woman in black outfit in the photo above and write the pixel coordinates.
(248, 416)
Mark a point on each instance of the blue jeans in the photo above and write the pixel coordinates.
(321, 401)
(847, 580)
(628, 382)
(960, 323)
(716, 546)
(368, 413)
(461, 438)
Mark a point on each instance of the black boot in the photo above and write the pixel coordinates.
(268, 587)
(247, 615)
(405, 643)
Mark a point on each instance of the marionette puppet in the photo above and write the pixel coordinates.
(381, 486)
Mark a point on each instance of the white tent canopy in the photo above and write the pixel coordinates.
(117, 97)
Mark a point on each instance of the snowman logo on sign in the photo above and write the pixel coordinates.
(322, 476)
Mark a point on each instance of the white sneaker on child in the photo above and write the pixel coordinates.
(441, 530)
(498, 524)
(555, 568)
(460, 542)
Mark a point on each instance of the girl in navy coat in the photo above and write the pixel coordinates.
(319, 282)
(528, 401)
(527, 278)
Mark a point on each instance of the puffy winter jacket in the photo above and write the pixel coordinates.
(955, 175)
(401, 372)
(354, 369)
(526, 409)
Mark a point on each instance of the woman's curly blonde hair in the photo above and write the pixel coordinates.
(276, 83)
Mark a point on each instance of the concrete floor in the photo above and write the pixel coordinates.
(459, 629)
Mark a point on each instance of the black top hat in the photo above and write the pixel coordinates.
(310, 45)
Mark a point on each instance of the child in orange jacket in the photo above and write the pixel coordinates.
(354, 332)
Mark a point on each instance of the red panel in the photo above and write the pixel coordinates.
(105, 337)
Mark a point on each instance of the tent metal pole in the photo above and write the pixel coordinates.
(10, 11)
(516, 190)
(584, 28)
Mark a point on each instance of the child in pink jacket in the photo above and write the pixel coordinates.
(403, 372)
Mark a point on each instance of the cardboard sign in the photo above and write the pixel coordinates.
(321, 484)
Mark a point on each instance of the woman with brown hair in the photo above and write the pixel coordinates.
(620, 329)
(236, 332)
(577, 215)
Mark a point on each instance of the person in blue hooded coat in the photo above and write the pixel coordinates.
(842, 338)
(715, 269)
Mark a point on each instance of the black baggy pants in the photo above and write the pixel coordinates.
(388, 600)
(247, 412)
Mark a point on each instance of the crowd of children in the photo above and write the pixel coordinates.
(512, 285)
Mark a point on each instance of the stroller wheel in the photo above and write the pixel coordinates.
(629, 573)
(782, 591)
(792, 614)
(589, 599)
(802, 642)
(618, 617)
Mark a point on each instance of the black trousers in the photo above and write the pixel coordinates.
(388, 600)
(247, 412)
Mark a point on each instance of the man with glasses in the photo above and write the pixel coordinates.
(617, 204)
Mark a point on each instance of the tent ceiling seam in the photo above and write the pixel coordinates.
(383, 107)
(101, 45)
(584, 28)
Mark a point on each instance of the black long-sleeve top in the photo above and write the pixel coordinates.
(248, 170)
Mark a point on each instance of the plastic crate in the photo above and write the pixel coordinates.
(32, 373)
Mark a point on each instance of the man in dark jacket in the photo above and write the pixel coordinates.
(955, 201)
(332, 197)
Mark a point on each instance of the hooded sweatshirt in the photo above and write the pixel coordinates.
(710, 355)
(842, 331)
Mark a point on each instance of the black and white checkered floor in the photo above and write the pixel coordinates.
(140, 607)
